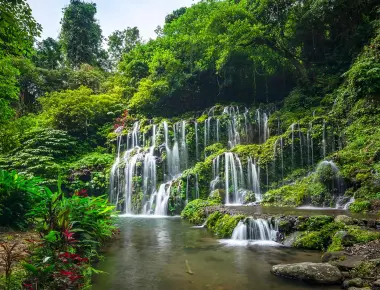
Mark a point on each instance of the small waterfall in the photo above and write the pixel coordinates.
(196, 187)
(196, 141)
(217, 130)
(234, 178)
(266, 127)
(215, 173)
(233, 126)
(187, 189)
(300, 137)
(292, 128)
(162, 199)
(324, 139)
(255, 229)
(253, 179)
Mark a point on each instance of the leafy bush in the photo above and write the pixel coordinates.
(73, 228)
(18, 195)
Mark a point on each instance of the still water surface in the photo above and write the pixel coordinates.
(152, 253)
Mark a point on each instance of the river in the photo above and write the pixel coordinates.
(157, 253)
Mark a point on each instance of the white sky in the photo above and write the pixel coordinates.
(112, 14)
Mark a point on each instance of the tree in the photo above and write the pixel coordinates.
(17, 32)
(120, 42)
(81, 35)
(48, 54)
(175, 14)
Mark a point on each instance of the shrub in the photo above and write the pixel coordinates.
(18, 195)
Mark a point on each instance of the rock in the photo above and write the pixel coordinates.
(346, 274)
(357, 282)
(356, 288)
(344, 219)
(322, 273)
(377, 283)
(348, 263)
(333, 256)
(346, 239)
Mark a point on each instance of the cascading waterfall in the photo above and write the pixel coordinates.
(233, 126)
(255, 229)
(196, 141)
(233, 178)
(253, 179)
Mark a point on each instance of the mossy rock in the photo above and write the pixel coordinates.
(194, 211)
(315, 223)
(226, 224)
(360, 206)
(249, 196)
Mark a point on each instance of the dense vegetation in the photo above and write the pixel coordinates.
(61, 100)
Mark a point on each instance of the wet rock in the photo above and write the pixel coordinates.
(346, 274)
(357, 282)
(322, 273)
(349, 263)
(289, 240)
(346, 239)
(333, 256)
(344, 219)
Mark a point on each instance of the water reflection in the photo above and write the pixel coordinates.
(152, 254)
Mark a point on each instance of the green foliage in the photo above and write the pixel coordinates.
(48, 54)
(360, 206)
(81, 35)
(73, 229)
(120, 42)
(18, 195)
(80, 111)
(223, 225)
(40, 153)
(315, 223)
(194, 211)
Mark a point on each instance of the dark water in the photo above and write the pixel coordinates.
(152, 254)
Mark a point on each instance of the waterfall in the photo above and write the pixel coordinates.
(266, 127)
(217, 130)
(162, 199)
(215, 173)
(187, 189)
(233, 126)
(292, 128)
(234, 178)
(253, 179)
(196, 141)
(196, 187)
(255, 229)
(324, 139)
(300, 137)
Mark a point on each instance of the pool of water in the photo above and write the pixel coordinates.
(159, 253)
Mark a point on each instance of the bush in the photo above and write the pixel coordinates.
(18, 195)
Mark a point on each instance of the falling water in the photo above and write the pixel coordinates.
(234, 178)
(196, 141)
(233, 126)
(253, 179)
(255, 229)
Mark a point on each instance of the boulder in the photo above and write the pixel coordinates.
(357, 282)
(333, 256)
(346, 239)
(349, 263)
(376, 285)
(344, 219)
(321, 273)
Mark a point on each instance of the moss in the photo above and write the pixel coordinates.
(226, 224)
(360, 205)
(194, 211)
(315, 223)
(288, 195)
(361, 235)
(310, 240)
(214, 148)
